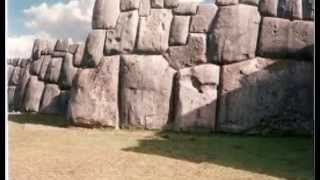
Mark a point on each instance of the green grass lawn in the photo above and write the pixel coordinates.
(283, 157)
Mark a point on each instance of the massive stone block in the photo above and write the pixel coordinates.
(192, 54)
(68, 72)
(266, 96)
(179, 30)
(235, 34)
(53, 70)
(226, 2)
(157, 3)
(10, 70)
(195, 98)
(154, 31)
(144, 8)
(171, 3)
(94, 48)
(94, 95)
(78, 56)
(44, 66)
(63, 45)
(146, 84)
(11, 96)
(269, 7)
(51, 102)
(290, 9)
(73, 48)
(202, 21)
(33, 94)
(36, 66)
(105, 14)
(308, 9)
(122, 39)
(127, 5)
(14, 80)
(39, 46)
(21, 88)
(186, 8)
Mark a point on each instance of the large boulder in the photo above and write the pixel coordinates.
(14, 80)
(78, 56)
(40, 46)
(179, 30)
(68, 72)
(153, 35)
(21, 88)
(266, 96)
(105, 14)
(269, 7)
(53, 70)
(63, 45)
(171, 3)
(10, 70)
(202, 22)
(290, 9)
(196, 98)
(308, 9)
(33, 94)
(127, 5)
(44, 66)
(193, 53)
(36, 66)
(235, 34)
(122, 39)
(186, 8)
(51, 101)
(146, 85)
(94, 48)
(11, 91)
(94, 95)
(144, 8)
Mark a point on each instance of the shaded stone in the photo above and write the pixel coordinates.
(78, 56)
(14, 80)
(21, 88)
(39, 46)
(234, 36)
(290, 9)
(122, 39)
(68, 72)
(94, 48)
(192, 54)
(250, 2)
(44, 66)
(105, 14)
(144, 8)
(202, 21)
(10, 70)
(157, 3)
(171, 3)
(154, 31)
(36, 66)
(63, 45)
(33, 94)
(195, 98)
(144, 99)
(126, 5)
(50, 103)
(266, 96)
(179, 30)
(226, 2)
(73, 48)
(53, 70)
(308, 9)
(94, 95)
(24, 63)
(58, 54)
(11, 96)
(186, 8)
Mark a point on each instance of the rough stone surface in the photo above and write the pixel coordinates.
(36, 66)
(105, 14)
(33, 95)
(14, 80)
(202, 21)
(235, 34)
(10, 70)
(39, 46)
(11, 96)
(122, 39)
(290, 9)
(58, 54)
(145, 100)
(154, 31)
(21, 88)
(179, 30)
(94, 48)
(63, 45)
(77, 58)
(68, 72)
(250, 2)
(50, 103)
(144, 8)
(226, 2)
(308, 9)
(53, 70)
(73, 48)
(94, 96)
(269, 7)
(196, 96)
(186, 8)
(192, 54)
(157, 3)
(44, 67)
(266, 96)
(126, 5)
(171, 3)
(24, 63)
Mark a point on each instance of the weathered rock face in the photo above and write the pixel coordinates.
(235, 34)
(73, 48)
(250, 2)
(126, 5)
(39, 46)
(11, 92)
(53, 70)
(171, 3)
(192, 54)
(146, 84)
(226, 2)
(105, 14)
(203, 20)
(263, 95)
(290, 9)
(186, 8)
(33, 94)
(10, 70)
(122, 39)
(94, 95)
(77, 58)
(36, 66)
(44, 66)
(21, 88)
(68, 72)
(269, 7)
(63, 45)
(153, 35)
(179, 30)
(308, 9)
(144, 8)
(14, 80)
(157, 3)
(94, 48)
(50, 100)
(195, 98)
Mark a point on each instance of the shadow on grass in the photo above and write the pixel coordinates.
(44, 119)
(285, 157)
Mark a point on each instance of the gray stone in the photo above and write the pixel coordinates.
(202, 21)
(179, 30)
(144, 8)
(105, 14)
(10, 70)
(157, 3)
(44, 67)
(14, 80)
(50, 103)
(195, 98)
(58, 54)
(11, 96)
(94, 96)
(154, 31)
(266, 96)
(274, 37)
(39, 46)
(186, 8)
(21, 88)
(235, 34)
(192, 54)
(250, 2)
(94, 48)
(53, 70)
(127, 5)
(73, 48)
(226, 2)
(33, 94)
(290, 9)
(36, 66)
(24, 63)
(308, 9)
(171, 3)
(144, 99)
(68, 72)
(63, 45)
(122, 39)
(78, 56)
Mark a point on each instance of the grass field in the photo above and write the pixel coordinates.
(49, 147)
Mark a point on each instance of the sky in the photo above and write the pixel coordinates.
(47, 19)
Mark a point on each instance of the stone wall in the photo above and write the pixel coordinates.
(233, 66)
